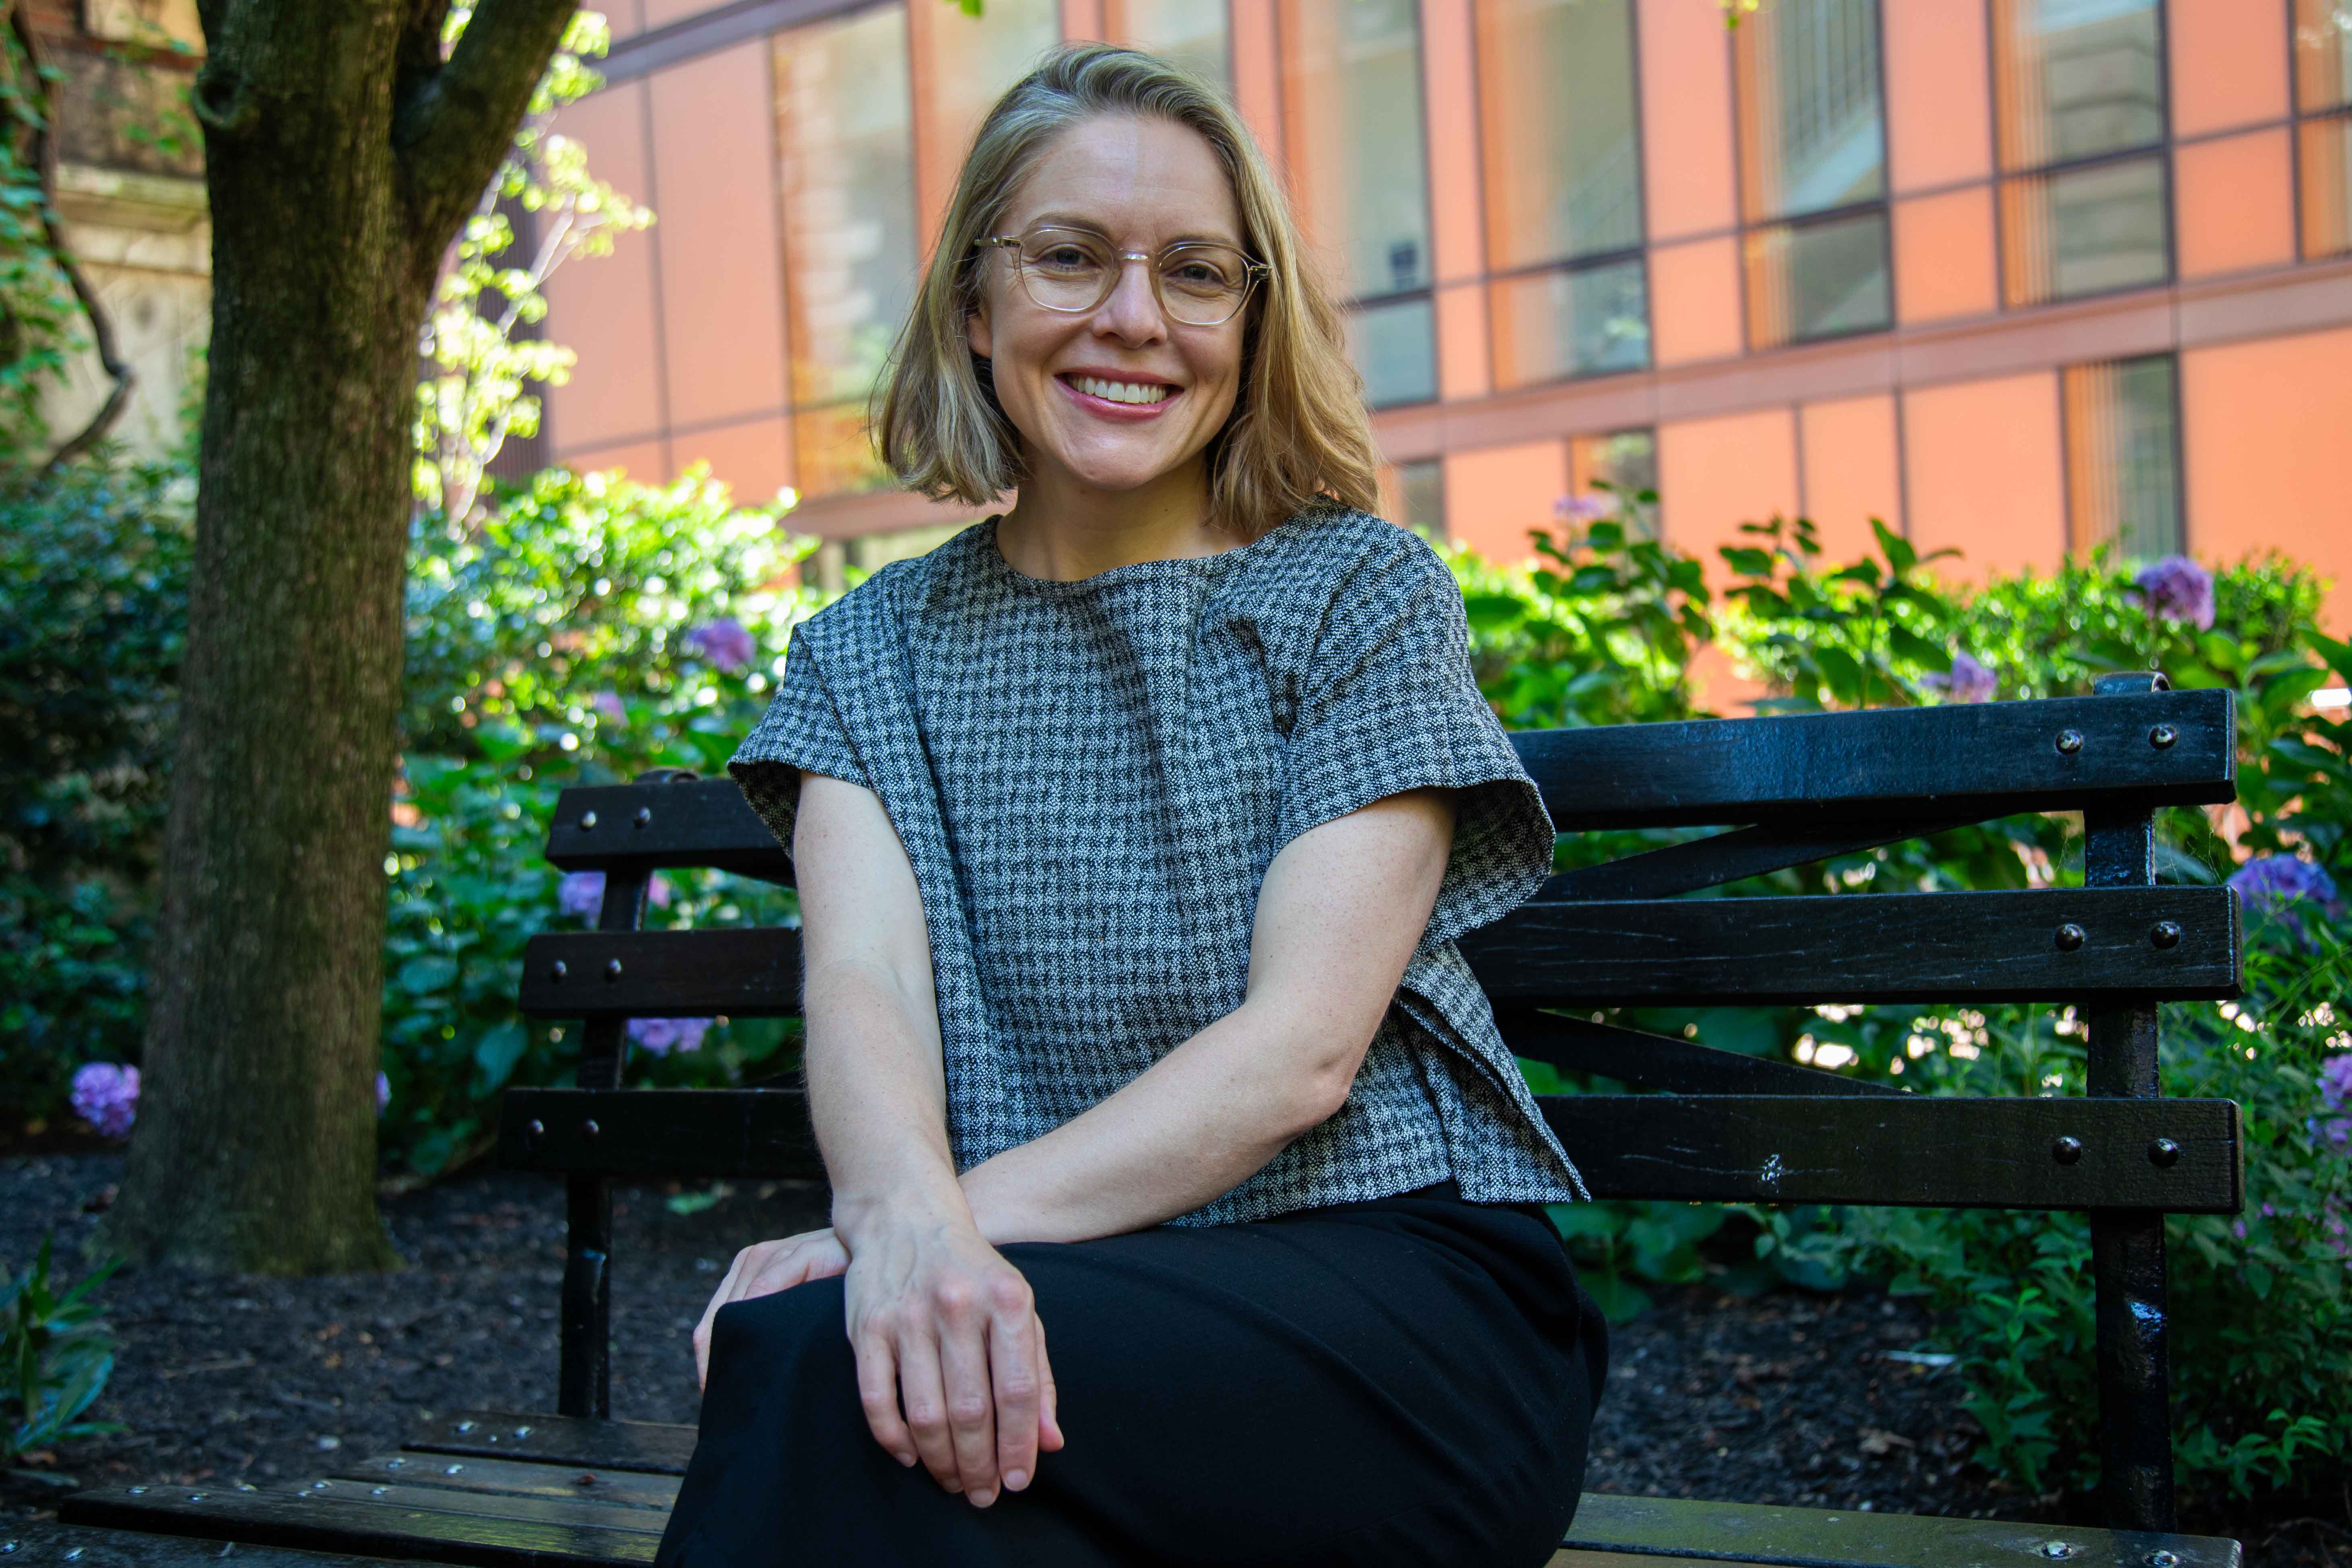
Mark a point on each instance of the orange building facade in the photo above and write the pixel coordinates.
(2017, 277)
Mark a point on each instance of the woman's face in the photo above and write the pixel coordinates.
(1142, 184)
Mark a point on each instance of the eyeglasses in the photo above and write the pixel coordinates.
(1073, 271)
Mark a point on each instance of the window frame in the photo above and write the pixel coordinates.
(1748, 229)
(2299, 121)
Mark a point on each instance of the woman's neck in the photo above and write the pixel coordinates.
(1063, 529)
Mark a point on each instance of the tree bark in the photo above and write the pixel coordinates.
(341, 155)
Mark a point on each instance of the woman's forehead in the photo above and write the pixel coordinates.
(1145, 179)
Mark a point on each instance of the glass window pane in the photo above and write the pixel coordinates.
(1817, 281)
(2323, 55)
(2085, 231)
(2122, 457)
(1395, 349)
(1627, 462)
(1556, 109)
(972, 59)
(844, 133)
(1189, 33)
(2077, 77)
(1351, 88)
(1811, 137)
(1420, 490)
(1550, 325)
(2326, 187)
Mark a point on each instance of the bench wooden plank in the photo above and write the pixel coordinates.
(651, 1447)
(1901, 1149)
(1947, 947)
(361, 1525)
(48, 1543)
(1670, 1528)
(515, 1477)
(1965, 761)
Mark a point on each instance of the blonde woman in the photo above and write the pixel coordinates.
(1133, 828)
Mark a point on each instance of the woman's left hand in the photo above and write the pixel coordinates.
(763, 1270)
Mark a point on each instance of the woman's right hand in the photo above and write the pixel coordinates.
(951, 1364)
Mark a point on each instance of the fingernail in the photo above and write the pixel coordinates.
(906, 1460)
(1016, 1480)
(982, 1498)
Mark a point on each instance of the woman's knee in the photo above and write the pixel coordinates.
(783, 1344)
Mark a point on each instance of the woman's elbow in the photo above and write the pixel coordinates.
(1318, 1087)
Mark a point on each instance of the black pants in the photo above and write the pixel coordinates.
(1409, 1381)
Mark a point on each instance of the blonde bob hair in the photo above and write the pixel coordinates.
(1298, 434)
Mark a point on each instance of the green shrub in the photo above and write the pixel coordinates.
(55, 1358)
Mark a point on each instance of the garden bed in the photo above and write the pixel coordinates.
(1783, 1399)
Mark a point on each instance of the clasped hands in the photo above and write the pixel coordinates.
(951, 1364)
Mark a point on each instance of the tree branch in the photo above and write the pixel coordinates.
(101, 324)
(451, 127)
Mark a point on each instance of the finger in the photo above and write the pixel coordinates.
(971, 1406)
(718, 1298)
(787, 1265)
(1013, 1379)
(925, 1400)
(1049, 1399)
(878, 1392)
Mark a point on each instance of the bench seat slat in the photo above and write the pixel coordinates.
(652, 1448)
(1945, 946)
(1910, 1150)
(365, 1526)
(1668, 1528)
(554, 1480)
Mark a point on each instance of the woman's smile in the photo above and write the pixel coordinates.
(1127, 398)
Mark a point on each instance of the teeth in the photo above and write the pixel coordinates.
(1120, 392)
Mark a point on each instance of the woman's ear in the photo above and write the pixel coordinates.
(976, 332)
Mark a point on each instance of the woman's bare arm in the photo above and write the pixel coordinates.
(1341, 909)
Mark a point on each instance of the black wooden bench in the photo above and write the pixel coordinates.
(494, 1488)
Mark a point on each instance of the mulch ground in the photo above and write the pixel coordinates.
(1783, 1399)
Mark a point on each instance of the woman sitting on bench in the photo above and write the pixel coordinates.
(1133, 829)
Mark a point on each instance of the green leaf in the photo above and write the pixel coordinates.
(1899, 551)
(497, 1052)
(424, 975)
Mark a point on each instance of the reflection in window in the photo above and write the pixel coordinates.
(1420, 495)
(1189, 33)
(1352, 123)
(2085, 230)
(2323, 91)
(1563, 177)
(1562, 323)
(1813, 171)
(1394, 346)
(2080, 88)
(845, 139)
(1626, 461)
(2122, 457)
(971, 60)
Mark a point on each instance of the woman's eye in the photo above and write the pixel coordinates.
(1065, 258)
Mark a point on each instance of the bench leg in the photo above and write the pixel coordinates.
(584, 1386)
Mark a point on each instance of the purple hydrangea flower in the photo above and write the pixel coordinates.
(382, 1093)
(724, 642)
(2335, 1081)
(1970, 681)
(107, 1096)
(659, 1037)
(2177, 589)
(1589, 509)
(582, 892)
(2271, 884)
(611, 709)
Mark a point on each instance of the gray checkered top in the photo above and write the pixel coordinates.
(1091, 779)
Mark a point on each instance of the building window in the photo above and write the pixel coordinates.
(845, 131)
(1352, 112)
(1189, 33)
(2122, 457)
(1563, 174)
(2085, 202)
(1812, 172)
(1420, 495)
(969, 57)
(1607, 476)
(2323, 100)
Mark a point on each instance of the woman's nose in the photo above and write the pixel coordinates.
(1133, 311)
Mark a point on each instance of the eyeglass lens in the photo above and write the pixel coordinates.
(1199, 284)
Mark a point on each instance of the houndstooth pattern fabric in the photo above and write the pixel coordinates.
(1091, 779)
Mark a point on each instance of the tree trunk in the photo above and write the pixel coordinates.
(341, 155)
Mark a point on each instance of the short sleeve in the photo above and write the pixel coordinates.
(802, 730)
(1388, 705)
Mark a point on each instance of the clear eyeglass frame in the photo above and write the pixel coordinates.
(1020, 246)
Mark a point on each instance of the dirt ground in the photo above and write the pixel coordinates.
(1783, 1399)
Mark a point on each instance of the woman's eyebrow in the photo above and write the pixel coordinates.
(1070, 221)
